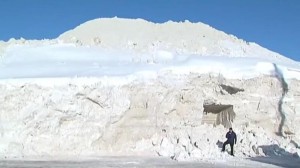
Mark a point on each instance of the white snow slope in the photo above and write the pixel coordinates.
(110, 87)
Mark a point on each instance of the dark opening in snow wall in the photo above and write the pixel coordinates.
(217, 114)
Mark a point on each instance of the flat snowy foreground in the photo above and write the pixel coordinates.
(144, 162)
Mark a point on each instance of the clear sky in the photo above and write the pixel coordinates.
(274, 24)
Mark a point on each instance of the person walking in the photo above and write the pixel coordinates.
(231, 139)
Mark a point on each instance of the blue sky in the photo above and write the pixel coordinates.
(274, 24)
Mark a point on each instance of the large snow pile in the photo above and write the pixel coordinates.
(128, 87)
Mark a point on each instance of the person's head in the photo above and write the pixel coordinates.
(230, 129)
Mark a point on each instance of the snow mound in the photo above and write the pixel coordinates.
(183, 38)
(132, 87)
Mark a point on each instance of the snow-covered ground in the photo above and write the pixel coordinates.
(130, 87)
(134, 161)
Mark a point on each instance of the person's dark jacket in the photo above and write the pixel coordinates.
(231, 137)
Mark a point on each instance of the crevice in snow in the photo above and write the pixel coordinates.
(283, 128)
(231, 89)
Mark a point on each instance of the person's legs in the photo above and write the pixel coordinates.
(231, 146)
(224, 144)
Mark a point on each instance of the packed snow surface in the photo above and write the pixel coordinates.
(67, 60)
(131, 87)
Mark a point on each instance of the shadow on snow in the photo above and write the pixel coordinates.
(277, 156)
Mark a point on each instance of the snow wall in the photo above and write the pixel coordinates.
(159, 117)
